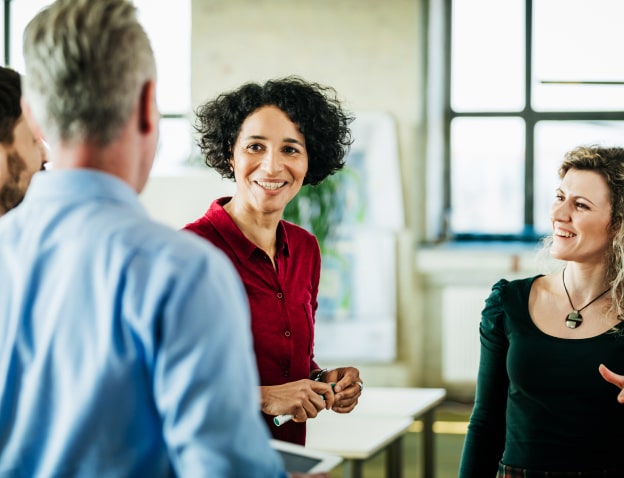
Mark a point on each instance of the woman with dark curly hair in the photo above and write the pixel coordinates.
(272, 139)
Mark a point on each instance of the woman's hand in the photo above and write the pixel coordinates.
(613, 378)
(303, 399)
(347, 389)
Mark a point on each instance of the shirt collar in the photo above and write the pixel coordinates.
(81, 185)
(242, 246)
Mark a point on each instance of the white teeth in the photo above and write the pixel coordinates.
(270, 186)
(564, 234)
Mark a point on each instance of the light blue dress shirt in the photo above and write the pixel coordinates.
(125, 346)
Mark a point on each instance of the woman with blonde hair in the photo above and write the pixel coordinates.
(545, 401)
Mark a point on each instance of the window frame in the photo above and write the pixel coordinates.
(172, 114)
(6, 53)
(441, 115)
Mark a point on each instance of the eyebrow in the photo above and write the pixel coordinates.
(286, 140)
(559, 190)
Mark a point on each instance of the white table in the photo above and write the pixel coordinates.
(417, 403)
(378, 423)
(356, 438)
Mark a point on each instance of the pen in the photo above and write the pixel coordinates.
(279, 420)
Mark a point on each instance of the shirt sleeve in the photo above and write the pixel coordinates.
(316, 277)
(205, 378)
(485, 440)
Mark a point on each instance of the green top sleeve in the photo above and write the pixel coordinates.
(485, 440)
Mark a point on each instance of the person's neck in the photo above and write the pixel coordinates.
(585, 281)
(261, 229)
(115, 159)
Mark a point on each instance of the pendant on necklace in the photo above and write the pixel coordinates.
(574, 319)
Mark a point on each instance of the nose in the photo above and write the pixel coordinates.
(560, 211)
(272, 162)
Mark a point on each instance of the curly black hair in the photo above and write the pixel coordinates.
(314, 108)
(10, 109)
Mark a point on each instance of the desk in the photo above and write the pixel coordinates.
(356, 438)
(412, 402)
(389, 406)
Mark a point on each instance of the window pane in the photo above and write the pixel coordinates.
(487, 175)
(2, 34)
(487, 61)
(577, 56)
(173, 61)
(174, 144)
(552, 140)
(168, 25)
(172, 51)
(21, 13)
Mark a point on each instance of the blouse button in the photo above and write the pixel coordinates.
(287, 333)
(280, 295)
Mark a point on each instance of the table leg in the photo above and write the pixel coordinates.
(352, 468)
(428, 445)
(394, 459)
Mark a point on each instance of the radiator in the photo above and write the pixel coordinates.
(461, 314)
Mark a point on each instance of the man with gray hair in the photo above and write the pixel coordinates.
(124, 345)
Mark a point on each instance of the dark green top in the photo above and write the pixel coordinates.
(540, 401)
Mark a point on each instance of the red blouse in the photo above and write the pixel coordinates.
(283, 301)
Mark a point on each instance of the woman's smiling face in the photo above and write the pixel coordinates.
(270, 160)
(581, 217)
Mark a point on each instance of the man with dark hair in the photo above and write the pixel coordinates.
(21, 153)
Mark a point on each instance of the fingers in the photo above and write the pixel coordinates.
(347, 390)
(309, 407)
(348, 398)
(302, 399)
(610, 376)
(321, 398)
(326, 392)
(613, 378)
(344, 377)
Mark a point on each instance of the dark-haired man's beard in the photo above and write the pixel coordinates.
(11, 192)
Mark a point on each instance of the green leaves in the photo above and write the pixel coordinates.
(319, 209)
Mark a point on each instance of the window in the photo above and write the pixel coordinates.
(524, 81)
(173, 60)
(5, 31)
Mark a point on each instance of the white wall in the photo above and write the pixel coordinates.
(180, 197)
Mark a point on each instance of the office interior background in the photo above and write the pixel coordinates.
(464, 109)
